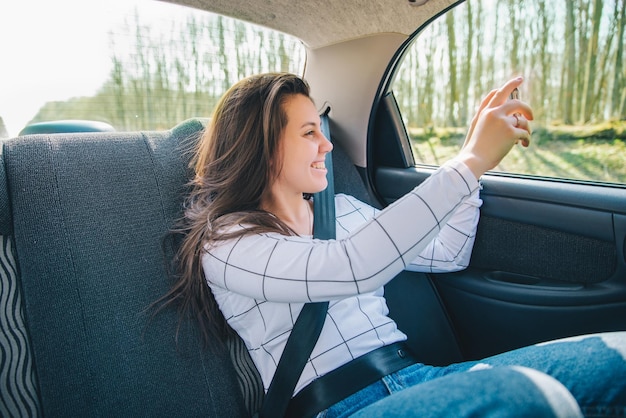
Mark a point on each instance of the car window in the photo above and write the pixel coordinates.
(132, 64)
(571, 54)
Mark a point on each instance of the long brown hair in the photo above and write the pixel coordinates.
(235, 161)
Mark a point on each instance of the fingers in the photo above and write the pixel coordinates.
(520, 118)
(503, 93)
(483, 104)
(520, 112)
(502, 97)
(499, 124)
(518, 107)
(519, 121)
(522, 129)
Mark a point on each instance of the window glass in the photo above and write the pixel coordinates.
(571, 54)
(134, 64)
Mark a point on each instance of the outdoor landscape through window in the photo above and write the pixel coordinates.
(571, 55)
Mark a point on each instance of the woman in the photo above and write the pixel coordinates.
(248, 235)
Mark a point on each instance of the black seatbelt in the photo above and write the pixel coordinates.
(324, 208)
(309, 324)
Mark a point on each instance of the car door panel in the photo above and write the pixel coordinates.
(548, 262)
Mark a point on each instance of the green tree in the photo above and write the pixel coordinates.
(618, 95)
(453, 94)
(590, 65)
(569, 63)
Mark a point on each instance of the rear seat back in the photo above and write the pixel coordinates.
(81, 221)
(87, 214)
(18, 392)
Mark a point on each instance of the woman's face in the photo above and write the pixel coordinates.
(303, 149)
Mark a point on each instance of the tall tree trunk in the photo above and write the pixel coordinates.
(223, 54)
(601, 101)
(544, 57)
(582, 27)
(590, 67)
(119, 93)
(467, 67)
(514, 50)
(619, 83)
(241, 58)
(282, 55)
(478, 54)
(569, 62)
(453, 94)
(428, 93)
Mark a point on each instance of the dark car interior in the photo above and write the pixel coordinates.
(83, 216)
(84, 261)
(82, 227)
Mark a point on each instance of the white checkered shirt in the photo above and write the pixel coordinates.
(261, 281)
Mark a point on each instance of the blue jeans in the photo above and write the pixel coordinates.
(560, 378)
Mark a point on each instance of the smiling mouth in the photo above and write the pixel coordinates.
(319, 165)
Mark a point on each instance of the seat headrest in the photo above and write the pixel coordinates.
(189, 128)
(66, 126)
(186, 131)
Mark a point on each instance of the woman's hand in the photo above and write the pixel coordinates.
(499, 124)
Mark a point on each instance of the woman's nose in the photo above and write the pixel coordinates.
(326, 146)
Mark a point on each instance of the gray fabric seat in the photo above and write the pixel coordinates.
(87, 214)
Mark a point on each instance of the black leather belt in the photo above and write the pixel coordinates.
(349, 379)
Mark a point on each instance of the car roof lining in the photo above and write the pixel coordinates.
(326, 23)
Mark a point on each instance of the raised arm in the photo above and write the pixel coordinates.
(294, 269)
(451, 249)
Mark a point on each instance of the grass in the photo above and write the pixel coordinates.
(595, 153)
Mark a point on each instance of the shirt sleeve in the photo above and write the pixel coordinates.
(281, 268)
(451, 249)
